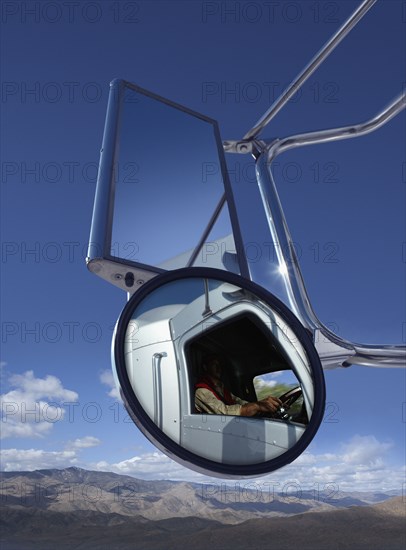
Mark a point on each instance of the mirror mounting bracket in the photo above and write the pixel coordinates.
(244, 146)
(119, 274)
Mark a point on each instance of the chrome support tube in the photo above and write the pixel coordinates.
(385, 356)
(294, 292)
(333, 350)
(335, 134)
(206, 232)
(310, 68)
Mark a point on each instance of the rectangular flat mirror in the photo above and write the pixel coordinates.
(168, 192)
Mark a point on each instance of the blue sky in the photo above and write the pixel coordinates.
(344, 204)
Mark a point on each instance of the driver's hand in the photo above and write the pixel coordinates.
(270, 404)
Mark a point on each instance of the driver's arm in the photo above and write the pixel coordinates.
(206, 402)
(268, 405)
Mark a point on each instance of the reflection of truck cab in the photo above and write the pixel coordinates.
(165, 348)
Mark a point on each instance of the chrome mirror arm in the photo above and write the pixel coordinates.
(334, 351)
(317, 60)
(278, 146)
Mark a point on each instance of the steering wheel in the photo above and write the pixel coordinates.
(287, 399)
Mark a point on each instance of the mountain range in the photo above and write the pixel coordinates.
(80, 509)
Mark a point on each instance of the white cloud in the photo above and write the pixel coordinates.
(35, 459)
(364, 449)
(106, 378)
(359, 465)
(34, 405)
(84, 442)
(38, 459)
(262, 382)
(37, 388)
(153, 465)
(351, 469)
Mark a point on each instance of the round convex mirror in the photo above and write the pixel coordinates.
(218, 373)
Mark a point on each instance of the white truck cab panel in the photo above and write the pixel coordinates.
(152, 368)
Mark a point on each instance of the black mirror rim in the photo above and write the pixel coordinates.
(158, 437)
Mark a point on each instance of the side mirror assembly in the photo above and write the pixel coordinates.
(165, 229)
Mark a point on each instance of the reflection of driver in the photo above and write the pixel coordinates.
(211, 396)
